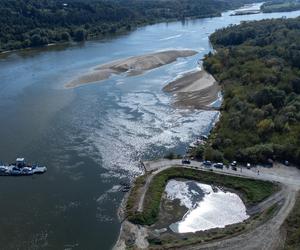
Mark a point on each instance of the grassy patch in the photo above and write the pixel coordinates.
(293, 227)
(134, 194)
(252, 191)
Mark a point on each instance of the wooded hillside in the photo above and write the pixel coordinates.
(258, 65)
(29, 23)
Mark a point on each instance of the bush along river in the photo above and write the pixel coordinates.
(92, 137)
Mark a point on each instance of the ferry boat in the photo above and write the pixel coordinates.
(20, 167)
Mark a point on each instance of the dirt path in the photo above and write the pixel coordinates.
(148, 181)
(264, 237)
(144, 190)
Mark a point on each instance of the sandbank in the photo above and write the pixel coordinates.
(194, 90)
(131, 66)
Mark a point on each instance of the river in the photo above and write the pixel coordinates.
(92, 136)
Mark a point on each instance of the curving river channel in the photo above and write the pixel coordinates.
(92, 136)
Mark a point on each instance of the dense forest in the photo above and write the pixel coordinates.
(258, 66)
(29, 23)
(280, 6)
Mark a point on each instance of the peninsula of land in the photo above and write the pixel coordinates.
(135, 65)
(269, 197)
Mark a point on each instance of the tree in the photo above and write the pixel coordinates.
(296, 85)
(65, 36)
(265, 126)
(36, 40)
(270, 95)
(199, 152)
(213, 155)
(80, 35)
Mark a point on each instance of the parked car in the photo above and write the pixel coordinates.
(234, 163)
(185, 161)
(207, 163)
(248, 165)
(218, 165)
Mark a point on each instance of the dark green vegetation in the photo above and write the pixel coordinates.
(292, 225)
(252, 191)
(280, 6)
(258, 66)
(29, 23)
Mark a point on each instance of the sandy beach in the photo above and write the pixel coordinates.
(194, 90)
(131, 66)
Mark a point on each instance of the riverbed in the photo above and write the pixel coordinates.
(93, 136)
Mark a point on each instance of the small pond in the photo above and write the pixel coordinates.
(208, 207)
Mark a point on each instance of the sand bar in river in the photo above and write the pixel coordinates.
(194, 90)
(131, 66)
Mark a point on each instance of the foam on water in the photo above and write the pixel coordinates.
(135, 120)
(214, 209)
(143, 121)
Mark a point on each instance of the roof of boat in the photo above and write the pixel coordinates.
(20, 159)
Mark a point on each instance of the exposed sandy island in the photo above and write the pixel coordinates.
(132, 66)
(194, 90)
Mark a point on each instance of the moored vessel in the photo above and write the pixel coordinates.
(20, 167)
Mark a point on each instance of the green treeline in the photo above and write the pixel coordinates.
(258, 66)
(280, 6)
(30, 23)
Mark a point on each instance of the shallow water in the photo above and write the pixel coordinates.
(208, 208)
(93, 136)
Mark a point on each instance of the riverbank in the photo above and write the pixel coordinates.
(131, 66)
(259, 121)
(97, 134)
(196, 90)
(87, 20)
